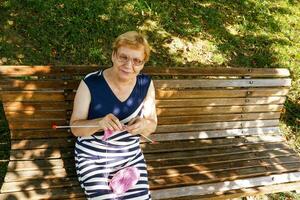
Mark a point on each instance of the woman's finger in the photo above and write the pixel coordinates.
(117, 122)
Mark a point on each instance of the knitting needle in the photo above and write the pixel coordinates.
(54, 126)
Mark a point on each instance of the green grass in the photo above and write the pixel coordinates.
(242, 33)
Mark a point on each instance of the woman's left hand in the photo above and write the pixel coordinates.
(136, 125)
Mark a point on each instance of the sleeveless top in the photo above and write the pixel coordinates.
(104, 101)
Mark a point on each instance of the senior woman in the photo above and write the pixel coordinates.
(121, 100)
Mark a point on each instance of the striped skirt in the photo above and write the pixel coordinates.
(98, 161)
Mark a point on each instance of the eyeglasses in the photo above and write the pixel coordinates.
(125, 59)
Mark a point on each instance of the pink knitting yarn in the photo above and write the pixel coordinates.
(107, 134)
(124, 179)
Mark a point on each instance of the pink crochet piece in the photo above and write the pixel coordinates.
(107, 134)
(124, 179)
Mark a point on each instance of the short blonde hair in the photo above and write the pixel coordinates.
(132, 39)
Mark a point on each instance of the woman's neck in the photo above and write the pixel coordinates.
(115, 80)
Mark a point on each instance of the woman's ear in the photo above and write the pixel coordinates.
(113, 56)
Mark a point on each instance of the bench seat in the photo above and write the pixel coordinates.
(218, 133)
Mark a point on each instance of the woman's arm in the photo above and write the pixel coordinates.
(147, 124)
(80, 114)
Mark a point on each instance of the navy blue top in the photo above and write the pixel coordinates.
(104, 101)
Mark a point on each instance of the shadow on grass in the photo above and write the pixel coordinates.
(241, 32)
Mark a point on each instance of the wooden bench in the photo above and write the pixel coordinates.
(218, 134)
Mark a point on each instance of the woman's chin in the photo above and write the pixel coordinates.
(125, 76)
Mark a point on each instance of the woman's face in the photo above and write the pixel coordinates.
(128, 62)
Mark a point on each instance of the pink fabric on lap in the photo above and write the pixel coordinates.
(124, 179)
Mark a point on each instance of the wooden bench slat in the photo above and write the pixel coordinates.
(210, 163)
(54, 153)
(216, 126)
(218, 71)
(163, 103)
(184, 178)
(175, 171)
(196, 178)
(39, 133)
(16, 119)
(53, 193)
(213, 134)
(39, 174)
(48, 96)
(47, 124)
(35, 115)
(17, 134)
(33, 106)
(41, 153)
(21, 104)
(214, 167)
(208, 143)
(220, 93)
(218, 102)
(68, 142)
(56, 96)
(217, 117)
(39, 184)
(48, 85)
(225, 186)
(10, 70)
(33, 85)
(192, 83)
(232, 194)
(217, 109)
(168, 172)
(46, 114)
(196, 157)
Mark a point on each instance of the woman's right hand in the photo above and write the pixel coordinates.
(110, 122)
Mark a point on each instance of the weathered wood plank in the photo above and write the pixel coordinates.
(53, 193)
(192, 83)
(220, 161)
(170, 103)
(39, 133)
(219, 93)
(7, 70)
(39, 184)
(17, 134)
(216, 126)
(37, 105)
(47, 124)
(37, 85)
(41, 85)
(231, 194)
(17, 119)
(224, 186)
(169, 177)
(217, 118)
(213, 134)
(39, 174)
(205, 150)
(48, 96)
(200, 167)
(41, 153)
(217, 71)
(171, 170)
(60, 95)
(69, 142)
(217, 109)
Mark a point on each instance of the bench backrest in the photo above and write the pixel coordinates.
(192, 103)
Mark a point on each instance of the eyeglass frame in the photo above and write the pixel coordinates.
(129, 59)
